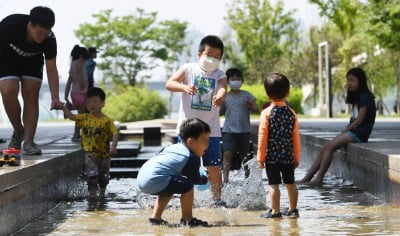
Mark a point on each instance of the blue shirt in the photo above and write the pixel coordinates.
(90, 65)
(174, 160)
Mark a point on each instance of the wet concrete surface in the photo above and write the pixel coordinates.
(337, 208)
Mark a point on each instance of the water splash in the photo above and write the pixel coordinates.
(246, 193)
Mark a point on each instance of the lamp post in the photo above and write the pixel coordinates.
(327, 102)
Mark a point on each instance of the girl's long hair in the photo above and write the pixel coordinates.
(362, 85)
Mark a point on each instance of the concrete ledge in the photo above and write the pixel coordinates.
(375, 172)
(30, 190)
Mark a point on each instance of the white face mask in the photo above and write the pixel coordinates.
(208, 63)
(235, 84)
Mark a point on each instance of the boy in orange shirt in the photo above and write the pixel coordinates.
(279, 145)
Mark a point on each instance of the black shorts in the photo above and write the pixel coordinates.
(236, 142)
(178, 184)
(274, 173)
(29, 67)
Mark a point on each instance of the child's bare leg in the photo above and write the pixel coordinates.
(293, 195)
(187, 204)
(275, 198)
(159, 206)
(327, 155)
(227, 163)
(313, 169)
(215, 177)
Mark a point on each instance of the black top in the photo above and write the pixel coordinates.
(16, 52)
(280, 136)
(363, 131)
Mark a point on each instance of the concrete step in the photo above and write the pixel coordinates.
(128, 166)
(124, 172)
(128, 161)
(128, 148)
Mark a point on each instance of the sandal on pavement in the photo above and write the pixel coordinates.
(157, 221)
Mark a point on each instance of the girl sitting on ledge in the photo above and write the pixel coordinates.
(358, 130)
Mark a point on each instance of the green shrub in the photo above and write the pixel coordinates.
(258, 91)
(133, 104)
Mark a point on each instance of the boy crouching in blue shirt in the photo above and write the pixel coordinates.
(175, 170)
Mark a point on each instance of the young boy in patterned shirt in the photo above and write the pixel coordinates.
(97, 129)
(279, 145)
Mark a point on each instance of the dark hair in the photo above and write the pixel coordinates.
(193, 128)
(234, 72)
(96, 92)
(276, 85)
(84, 52)
(92, 50)
(212, 41)
(42, 16)
(78, 51)
(359, 73)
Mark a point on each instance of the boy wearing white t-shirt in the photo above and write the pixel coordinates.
(203, 88)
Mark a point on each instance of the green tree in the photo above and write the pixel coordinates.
(132, 45)
(264, 35)
(304, 68)
(134, 104)
(384, 19)
(348, 16)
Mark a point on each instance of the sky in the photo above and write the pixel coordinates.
(205, 16)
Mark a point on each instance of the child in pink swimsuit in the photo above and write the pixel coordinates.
(78, 81)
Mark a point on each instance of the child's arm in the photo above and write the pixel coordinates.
(296, 143)
(67, 89)
(68, 113)
(221, 92)
(113, 148)
(360, 118)
(251, 105)
(262, 139)
(175, 83)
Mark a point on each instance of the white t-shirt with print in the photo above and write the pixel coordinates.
(200, 105)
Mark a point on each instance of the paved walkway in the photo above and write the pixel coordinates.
(386, 133)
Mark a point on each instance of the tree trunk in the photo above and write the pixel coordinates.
(396, 66)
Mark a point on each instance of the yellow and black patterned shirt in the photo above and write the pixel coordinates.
(96, 133)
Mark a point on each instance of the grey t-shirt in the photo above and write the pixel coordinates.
(237, 115)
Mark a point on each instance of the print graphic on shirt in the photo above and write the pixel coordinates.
(280, 142)
(96, 133)
(202, 100)
(22, 52)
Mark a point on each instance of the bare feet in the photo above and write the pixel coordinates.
(302, 181)
(315, 183)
